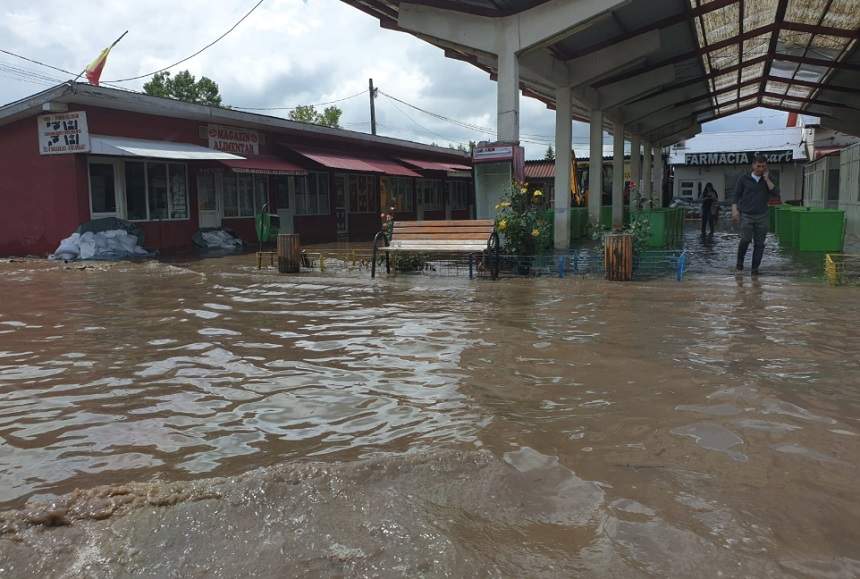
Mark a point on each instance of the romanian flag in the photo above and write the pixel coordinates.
(94, 69)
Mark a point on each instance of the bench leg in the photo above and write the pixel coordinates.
(471, 266)
(373, 263)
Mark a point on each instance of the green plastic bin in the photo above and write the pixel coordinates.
(819, 229)
(667, 226)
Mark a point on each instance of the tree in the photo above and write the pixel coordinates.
(550, 154)
(185, 87)
(329, 117)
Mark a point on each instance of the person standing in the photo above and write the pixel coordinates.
(710, 200)
(750, 209)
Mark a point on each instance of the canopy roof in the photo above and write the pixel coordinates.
(692, 60)
(121, 146)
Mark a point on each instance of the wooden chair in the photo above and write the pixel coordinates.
(470, 237)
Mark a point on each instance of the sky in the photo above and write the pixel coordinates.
(286, 53)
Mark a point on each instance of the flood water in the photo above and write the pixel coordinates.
(426, 425)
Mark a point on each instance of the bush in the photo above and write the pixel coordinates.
(521, 220)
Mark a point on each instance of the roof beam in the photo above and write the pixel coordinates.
(813, 85)
(816, 62)
(585, 70)
(617, 94)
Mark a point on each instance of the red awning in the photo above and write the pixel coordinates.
(434, 165)
(264, 165)
(348, 162)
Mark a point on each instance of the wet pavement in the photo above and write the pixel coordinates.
(220, 421)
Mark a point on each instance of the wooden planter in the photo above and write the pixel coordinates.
(289, 253)
(618, 256)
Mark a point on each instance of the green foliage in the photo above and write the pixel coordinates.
(550, 154)
(639, 228)
(185, 87)
(329, 117)
(521, 219)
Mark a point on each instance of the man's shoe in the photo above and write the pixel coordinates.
(739, 267)
(754, 271)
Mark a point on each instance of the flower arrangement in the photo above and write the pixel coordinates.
(522, 222)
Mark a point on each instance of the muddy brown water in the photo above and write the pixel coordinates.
(220, 421)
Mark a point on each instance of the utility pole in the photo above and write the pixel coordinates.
(372, 106)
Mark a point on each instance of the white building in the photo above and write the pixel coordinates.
(720, 158)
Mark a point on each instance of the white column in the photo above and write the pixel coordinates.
(659, 170)
(595, 167)
(647, 183)
(618, 174)
(635, 164)
(561, 225)
(508, 87)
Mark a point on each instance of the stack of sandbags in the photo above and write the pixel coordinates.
(102, 245)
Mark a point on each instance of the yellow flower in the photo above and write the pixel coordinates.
(538, 193)
(498, 206)
(503, 224)
(505, 204)
(524, 190)
(535, 232)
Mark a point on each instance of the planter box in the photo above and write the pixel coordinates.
(667, 226)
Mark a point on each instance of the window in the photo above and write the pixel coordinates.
(833, 185)
(244, 194)
(397, 192)
(362, 193)
(459, 194)
(686, 189)
(206, 196)
(312, 197)
(102, 188)
(281, 185)
(156, 191)
(431, 194)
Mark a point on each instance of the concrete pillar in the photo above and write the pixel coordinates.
(563, 133)
(618, 174)
(635, 165)
(659, 172)
(508, 87)
(595, 167)
(647, 183)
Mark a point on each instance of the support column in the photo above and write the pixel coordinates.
(508, 87)
(563, 129)
(659, 170)
(635, 166)
(647, 183)
(618, 174)
(595, 167)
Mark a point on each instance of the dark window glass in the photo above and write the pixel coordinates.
(102, 188)
(157, 177)
(135, 190)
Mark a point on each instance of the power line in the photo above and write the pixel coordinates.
(405, 114)
(295, 107)
(10, 53)
(187, 58)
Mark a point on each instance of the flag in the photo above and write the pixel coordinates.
(94, 69)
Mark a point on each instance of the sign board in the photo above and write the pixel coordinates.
(738, 158)
(492, 153)
(233, 140)
(63, 133)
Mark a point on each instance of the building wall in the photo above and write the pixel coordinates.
(849, 188)
(821, 183)
(790, 179)
(38, 193)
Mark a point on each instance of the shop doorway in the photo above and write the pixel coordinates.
(285, 197)
(209, 199)
(341, 206)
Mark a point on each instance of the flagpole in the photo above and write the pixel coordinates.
(121, 36)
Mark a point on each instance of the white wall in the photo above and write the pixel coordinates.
(817, 183)
(790, 179)
(849, 187)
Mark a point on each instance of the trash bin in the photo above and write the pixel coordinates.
(819, 229)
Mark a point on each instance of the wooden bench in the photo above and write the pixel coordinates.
(469, 237)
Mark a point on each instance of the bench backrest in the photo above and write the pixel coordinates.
(465, 235)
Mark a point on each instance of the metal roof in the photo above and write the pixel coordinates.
(792, 138)
(88, 95)
(719, 57)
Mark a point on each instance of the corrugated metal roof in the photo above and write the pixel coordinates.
(743, 141)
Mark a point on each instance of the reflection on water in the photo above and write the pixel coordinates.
(693, 412)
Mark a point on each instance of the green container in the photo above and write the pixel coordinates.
(783, 222)
(819, 229)
(578, 223)
(771, 218)
(667, 226)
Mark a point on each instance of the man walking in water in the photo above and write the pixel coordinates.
(750, 208)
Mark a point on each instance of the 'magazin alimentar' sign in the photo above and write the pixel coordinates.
(738, 158)
(233, 140)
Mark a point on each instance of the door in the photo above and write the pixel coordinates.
(105, 184)
(285, 197)
(341, 208)
(209, 202)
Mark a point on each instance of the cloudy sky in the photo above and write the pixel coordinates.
(288, 52)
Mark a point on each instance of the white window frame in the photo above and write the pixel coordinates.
(254, 209)
(118, 186)
(687, 185)
(319, 177)
(146, 163)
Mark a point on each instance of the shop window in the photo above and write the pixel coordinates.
(156, 191)
(244, 194)
(281, 185)
(362, 194)
(686, 189)
(459, 194)
(206, 195)
(431, 194)
(312, 198)
(397, 192)
(102, 188)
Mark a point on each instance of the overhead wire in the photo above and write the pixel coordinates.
(187, 58)
(358, 94)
